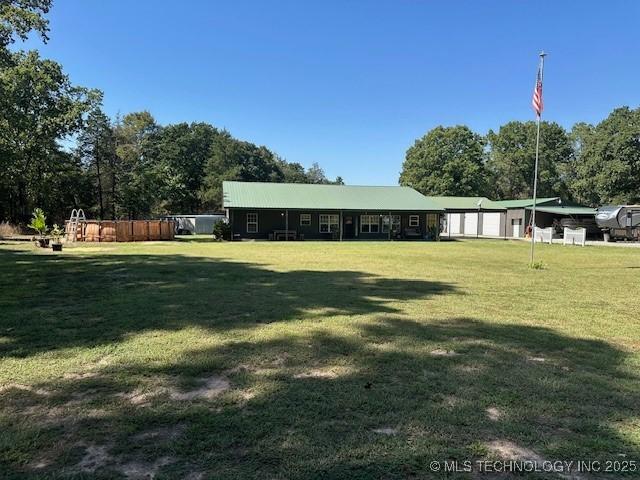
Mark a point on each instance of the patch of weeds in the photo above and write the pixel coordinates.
(537, 265)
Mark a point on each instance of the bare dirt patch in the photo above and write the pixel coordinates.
(95, 456)
(138, 397)
(493, 414)
(98, 457)
(139, 470)
(440, 352)
(25, 388)
(326, 372)
(507, 450)
(211, 387)
(537, 359)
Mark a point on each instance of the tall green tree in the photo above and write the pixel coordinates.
(180, 153)
(607, 165)
(18, 18)
(232, 159)
(446, 161)
(138, 173)
(96, 149)
(512, 157)
(39, 108)
(292, 172)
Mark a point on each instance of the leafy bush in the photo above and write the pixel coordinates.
(57, 232)
(222, 231)
(39, 222)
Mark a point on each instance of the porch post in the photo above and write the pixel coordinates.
(286, 225)
(390, 225)
(340, 225)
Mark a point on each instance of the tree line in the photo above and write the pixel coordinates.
(59, 151)
(591, 164)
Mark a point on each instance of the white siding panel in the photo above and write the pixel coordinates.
(454, 223)
(470, 224)
(491, 224)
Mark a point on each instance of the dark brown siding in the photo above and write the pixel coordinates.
(270, 220)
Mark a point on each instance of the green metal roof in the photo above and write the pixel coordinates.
(565, 210)
(323, 197)
(527, 202)
(466, 203)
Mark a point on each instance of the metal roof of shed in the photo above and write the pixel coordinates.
(466, 203)
(301, 196)
(526, 202)
(565, 210)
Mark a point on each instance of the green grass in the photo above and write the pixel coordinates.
(310, 348)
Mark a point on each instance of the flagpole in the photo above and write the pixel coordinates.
(535, 173)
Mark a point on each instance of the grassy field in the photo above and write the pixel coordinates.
(309, 360)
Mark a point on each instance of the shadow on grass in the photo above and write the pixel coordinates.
(380, 403)
(50, 302)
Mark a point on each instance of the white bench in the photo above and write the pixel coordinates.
(543, 235)
(575, 236)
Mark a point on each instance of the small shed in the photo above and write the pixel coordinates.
(195, 224)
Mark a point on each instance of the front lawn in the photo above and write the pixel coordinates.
(192, 359)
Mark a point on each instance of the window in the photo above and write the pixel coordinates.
(329, 223)
(252, 223)
(305, 219)
(414, 220)
(369, 223)
(395, 223)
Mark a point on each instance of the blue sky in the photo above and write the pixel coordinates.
(349, 84)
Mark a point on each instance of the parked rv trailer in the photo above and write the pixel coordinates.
(619, 222)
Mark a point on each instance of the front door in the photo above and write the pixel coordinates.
(349, 226)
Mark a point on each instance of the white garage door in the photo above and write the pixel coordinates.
(454, 223)
(491, 224)
(470, 223)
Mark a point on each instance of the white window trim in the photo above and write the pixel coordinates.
(369, 223)
(252, 223)
(413, 218)
(330, 221)
(394, 223)
(307, 217)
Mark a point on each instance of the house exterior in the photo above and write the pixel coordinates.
(287, 211)
(472, 217)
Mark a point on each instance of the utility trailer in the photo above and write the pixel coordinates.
(619, 222)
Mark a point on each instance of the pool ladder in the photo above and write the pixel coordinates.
(75, 221)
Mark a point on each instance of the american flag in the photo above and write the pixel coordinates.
(537, 94)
